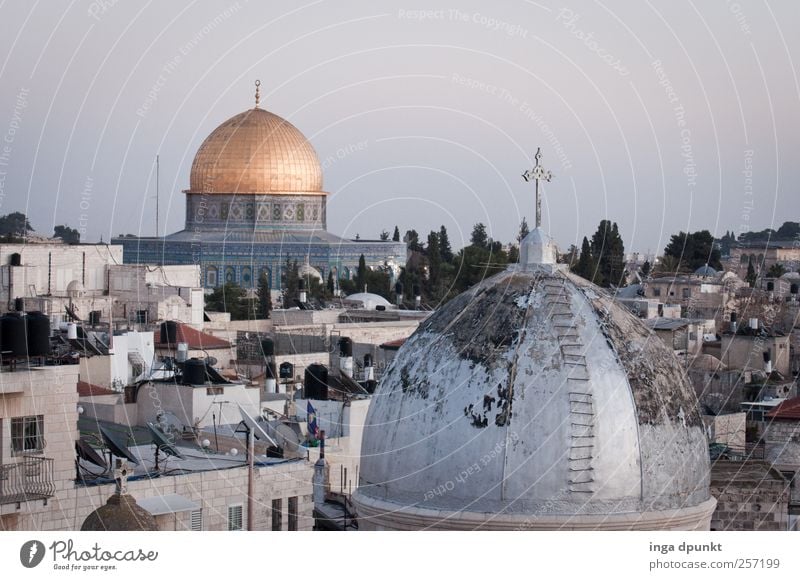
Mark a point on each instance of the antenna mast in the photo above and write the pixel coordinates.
(157, 172)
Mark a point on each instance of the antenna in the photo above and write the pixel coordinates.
(162, 443)
(115, 447)
(252, 425)
(158, 167)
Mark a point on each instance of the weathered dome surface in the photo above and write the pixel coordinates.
(534, 401)
(706, 271)
(120, 514)
(256, 152)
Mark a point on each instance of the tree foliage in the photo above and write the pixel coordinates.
(67, 234)
(229, 298)
(693, 250)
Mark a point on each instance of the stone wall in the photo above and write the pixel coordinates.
(750, 496)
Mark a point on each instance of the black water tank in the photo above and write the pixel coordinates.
(316, 382)
(169, 332)
(286, 370)
(194, 372)
(37, 326)
(268, 347)
(16, 259)
(345, 347)
(94, 317)
(12, 330)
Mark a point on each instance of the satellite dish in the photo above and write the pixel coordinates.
(258, 431)
(115, 447)
(87, 453)
(162, 443)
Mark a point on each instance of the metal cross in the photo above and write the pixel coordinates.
(538, 173)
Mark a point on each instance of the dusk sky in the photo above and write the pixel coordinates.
(659, 116)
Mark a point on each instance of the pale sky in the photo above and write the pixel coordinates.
(659, 116)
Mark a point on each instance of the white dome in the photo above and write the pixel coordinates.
(75, 289)
(369, 300)
(534, 401)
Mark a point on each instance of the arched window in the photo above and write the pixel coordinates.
(212, 276)
(247, 276)
(230, 275)
(744, 258)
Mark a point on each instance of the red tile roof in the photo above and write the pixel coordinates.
(89, 390)
(394, 344)
(194, 338)
(789, 410)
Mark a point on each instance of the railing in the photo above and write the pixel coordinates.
(30, 478)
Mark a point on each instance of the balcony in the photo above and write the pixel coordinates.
(28, 479)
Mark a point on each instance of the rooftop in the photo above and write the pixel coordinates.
(194, 338)
(788, 410)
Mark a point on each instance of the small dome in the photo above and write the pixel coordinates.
(705, 271)
(120, 514)
(534, 401)
(369, 300)
(791, 276)
(256, 152)
(707, 362)
(309, 271)
(75, 289)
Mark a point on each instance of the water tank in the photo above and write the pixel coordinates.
(169, 332)
(182, 353)
(194, 372)
(12, 334)
(268, 347)
(345, 347)
(94, 317)
(72, 331)
(38, 331)
(16, 259)
(286, 370)
(316, 382)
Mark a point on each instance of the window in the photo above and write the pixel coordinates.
(197, 521)
(234, 517)
(230, 275)
(213, 391)
(247, 276)
(293, 514)
(656, 291)
(211, 276)
(27, 434)
(276, 514)
(687, 292)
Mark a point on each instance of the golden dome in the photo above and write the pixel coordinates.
(256, 152)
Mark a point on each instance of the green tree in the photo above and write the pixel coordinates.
(67, 234)
(396, 235)
(14, 225)
(263, 297)
(434, 265)
(646, 268)
(361, 273)
(479, 237)
(290, 283)
(331, 284)
(571, 256)
(229, 298)
(384, 236)
(776, 271)
(445, 249)
(751, 274)
(523, 230)
(693, 250)
(608, 254)
(585, 264)
(412, 239)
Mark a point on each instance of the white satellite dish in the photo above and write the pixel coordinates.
(256, 429)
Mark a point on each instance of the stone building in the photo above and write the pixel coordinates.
(39, 489)
(534, 401)
(255, 200)
(750, 495)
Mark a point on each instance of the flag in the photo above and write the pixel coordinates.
(313, 429)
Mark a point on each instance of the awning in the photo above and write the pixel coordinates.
(167, 504)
